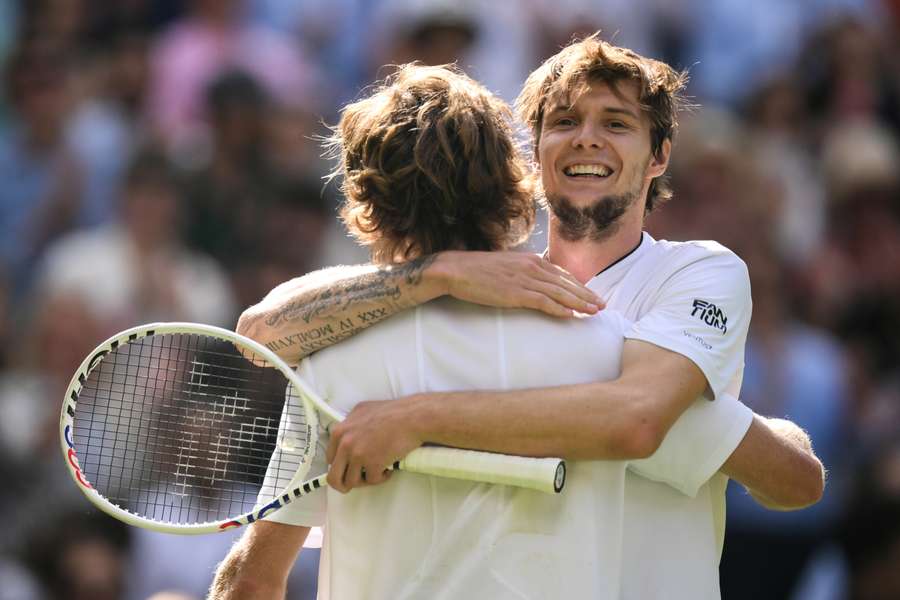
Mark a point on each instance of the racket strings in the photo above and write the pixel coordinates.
(181, 428)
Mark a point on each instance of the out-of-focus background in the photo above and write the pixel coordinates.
(158, 162)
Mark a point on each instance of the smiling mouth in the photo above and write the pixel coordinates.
(588, 171)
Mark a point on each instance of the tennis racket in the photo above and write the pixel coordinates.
(188, 428)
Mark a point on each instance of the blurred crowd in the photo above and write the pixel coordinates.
(159, 160)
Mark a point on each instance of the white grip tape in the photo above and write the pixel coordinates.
(542, 474)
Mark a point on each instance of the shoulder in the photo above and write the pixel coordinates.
(693, 252)
(702, 259)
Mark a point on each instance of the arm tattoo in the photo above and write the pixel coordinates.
(318, 308)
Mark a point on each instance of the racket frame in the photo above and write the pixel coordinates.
(421, 460)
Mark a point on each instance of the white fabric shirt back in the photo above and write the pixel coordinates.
(428, 537)
(692, 298)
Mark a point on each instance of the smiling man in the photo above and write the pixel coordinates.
(603, 119)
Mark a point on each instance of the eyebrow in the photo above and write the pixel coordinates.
(622, 111)
(613, 110)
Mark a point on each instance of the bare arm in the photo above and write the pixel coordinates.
(623, 419)
(620, 419)
(317, 310)
(776, 463)
(258, 565)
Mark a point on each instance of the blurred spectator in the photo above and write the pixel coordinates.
(798, 372)
(80, 557)
(214, 38)
(58, 331)
(334, 33)
(107, 124)
(782, 153)
(226, 192)
(42, 179)
(255, 205)
(9, 17)
(137, 270)
(431, 31)
(853, 286)
(721, 194)
(731, 47)
(846, 70)
(291, 231)
(635, 24)
(492, 41)
(871, 532)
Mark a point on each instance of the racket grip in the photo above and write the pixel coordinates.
(542, 474)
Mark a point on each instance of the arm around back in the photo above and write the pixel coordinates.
(312, 312)
(776, 463)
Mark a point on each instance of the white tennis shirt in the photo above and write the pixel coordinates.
(427, 537)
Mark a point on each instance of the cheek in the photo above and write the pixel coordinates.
(546, 151)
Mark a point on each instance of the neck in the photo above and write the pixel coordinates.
(585, 258)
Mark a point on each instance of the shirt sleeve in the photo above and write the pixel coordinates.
(697, 445)
(308, 510)
(702, 311)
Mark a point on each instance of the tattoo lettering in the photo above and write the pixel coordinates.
(414, 269)
(372, 316)
(383, 284)
(316, 319)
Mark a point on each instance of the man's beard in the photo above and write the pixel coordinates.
(598, 222)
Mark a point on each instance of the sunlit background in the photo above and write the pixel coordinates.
(158, 162)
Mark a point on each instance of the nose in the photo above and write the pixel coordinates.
(588, 135)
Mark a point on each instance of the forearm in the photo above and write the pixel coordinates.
(776, 463)
(588, 421)
(320, 309)
(626, 418)
(230, 583)
(258, 564)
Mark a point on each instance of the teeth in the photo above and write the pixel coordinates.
(598, 170)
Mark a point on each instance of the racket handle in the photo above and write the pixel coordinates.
(542, 474)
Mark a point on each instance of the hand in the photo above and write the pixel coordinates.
(372, 437)
(515, 280)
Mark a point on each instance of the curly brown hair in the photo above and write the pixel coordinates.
(563, 77)
(429, 163)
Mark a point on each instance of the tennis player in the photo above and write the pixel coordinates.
(603, 122)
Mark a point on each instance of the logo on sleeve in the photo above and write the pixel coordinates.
(710, 314)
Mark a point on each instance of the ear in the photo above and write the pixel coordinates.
(659, 163)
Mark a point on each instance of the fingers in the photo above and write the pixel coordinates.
(509, 279)
(571, 292)
(561, 300)
(348, 471)
(337, 472)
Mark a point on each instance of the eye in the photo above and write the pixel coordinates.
(618, 125)
(565, 121)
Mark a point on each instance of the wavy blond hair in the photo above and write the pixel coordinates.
(428, 162)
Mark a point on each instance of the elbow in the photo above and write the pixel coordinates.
(812, 487)
(809, 484)
(642, 437)
(248, 324)
(807, 488)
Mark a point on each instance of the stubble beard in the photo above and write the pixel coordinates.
(597, 222)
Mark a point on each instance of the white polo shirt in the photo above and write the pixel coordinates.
(427, 537)
(692, 298)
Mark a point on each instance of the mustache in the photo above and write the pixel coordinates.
(598, 221)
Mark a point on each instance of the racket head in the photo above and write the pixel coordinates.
(172, 427)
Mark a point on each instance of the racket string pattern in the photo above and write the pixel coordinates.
(181, 428)
(188, 428)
